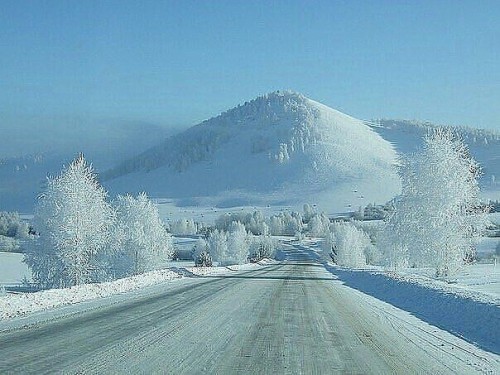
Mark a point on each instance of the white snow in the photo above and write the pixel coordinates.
(12, 269)
(484, 145)
(468, 305)
(16, 305)
(280, 149)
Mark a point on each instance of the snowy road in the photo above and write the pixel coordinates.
(288, 318)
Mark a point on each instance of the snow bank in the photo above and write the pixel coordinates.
(468, 314)
(15, 305)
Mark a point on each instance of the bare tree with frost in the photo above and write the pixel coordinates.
(217, 244)
(231, 247)
(349, 245)
(238, 244)
(145, 245)
(438, 218)
(73, 219)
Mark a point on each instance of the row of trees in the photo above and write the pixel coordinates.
(435, 222)
(85, 238)
(282, 224)
(233, 246)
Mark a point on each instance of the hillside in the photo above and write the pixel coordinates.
(484, 145)
(281, 148)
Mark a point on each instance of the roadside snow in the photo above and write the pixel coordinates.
(468, 314)
(480, 282)
(467, 305)
(15, 305)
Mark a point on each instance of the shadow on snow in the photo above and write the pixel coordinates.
(474, 321)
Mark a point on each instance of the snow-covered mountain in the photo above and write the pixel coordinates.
(484, 146)
(31, 151)
(281, 148)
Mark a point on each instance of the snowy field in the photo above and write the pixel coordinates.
(12, 269)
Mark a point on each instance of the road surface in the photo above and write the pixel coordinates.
(288, 318)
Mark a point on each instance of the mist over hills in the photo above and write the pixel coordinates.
(31, 151)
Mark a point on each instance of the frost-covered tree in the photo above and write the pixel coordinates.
(262, 247)
(217, 243)
(257, 224)
(319, 225)
(201, 254)
(145, 245)
(438, 218)
(349, 245)
(230, 247)
(237, 244)
(308, 212)
(183, 227)
(74, 221)
(285, 223)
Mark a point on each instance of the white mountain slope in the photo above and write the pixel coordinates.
(484, 146)
(281, 148)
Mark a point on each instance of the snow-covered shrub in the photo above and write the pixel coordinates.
(262, 247)
(201, 254)
(11, 225)
(350, 245)
(145, 245)
(74, 222)
(438, 218)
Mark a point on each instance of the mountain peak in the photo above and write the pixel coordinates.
(281, 139)
(268, 109)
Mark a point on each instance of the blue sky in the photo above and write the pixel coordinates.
(180, 62)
